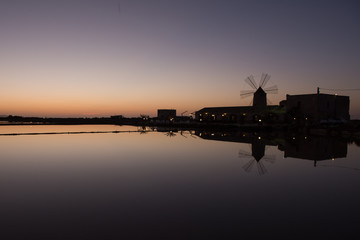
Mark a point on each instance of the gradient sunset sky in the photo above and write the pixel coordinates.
(105, 57)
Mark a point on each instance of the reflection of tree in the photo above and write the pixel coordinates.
(182, 134)
(143, 130)
(257, 156)
(170, 134)
(192, 134)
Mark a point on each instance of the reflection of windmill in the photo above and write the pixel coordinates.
(256, 156)
(260, 91)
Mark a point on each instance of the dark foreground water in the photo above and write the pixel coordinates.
(175, 185)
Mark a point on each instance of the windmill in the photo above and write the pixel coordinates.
(259, 91)
(257, 156)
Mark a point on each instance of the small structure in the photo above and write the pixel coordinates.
(166, 114)
(309, 109)
(116, 117)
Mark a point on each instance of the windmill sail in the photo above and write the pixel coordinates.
(264, 79)
(259, 91)
(250, 80)
(246, 93)
(271, 90)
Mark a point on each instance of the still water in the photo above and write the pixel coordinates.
(175, 185)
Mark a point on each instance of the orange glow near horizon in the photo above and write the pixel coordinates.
(59, 59)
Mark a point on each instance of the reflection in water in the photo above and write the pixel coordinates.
(302, 147)
(316, 149)
(256, 156)
(151, 186)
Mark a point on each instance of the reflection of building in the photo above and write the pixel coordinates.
(301, 147)
(316, 149)
(258, 144)
(317, 108)
(166, 114)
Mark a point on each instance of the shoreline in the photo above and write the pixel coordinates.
(348, 131)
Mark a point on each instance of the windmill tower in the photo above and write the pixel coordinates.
(259, 91)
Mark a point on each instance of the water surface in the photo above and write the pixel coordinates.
(176, 185)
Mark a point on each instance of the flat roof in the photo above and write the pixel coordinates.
(314, 94)
(233, 108)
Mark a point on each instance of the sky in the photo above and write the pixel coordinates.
(94, 58)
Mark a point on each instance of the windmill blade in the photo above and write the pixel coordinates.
(246, 93)
(248, 166)
(269, 158)
(251, 81)
(271, 90)
(243, 153)
(264, 79)
(261, 168)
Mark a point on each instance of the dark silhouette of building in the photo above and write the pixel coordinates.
(259, 100)
(259, 113)
(318, 108)
(242, 115)
(166, 114)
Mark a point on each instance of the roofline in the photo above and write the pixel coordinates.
(233, 107)
(312, 94)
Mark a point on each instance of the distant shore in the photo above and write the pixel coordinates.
(350, 129)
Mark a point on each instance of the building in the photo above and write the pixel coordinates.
(259, 113)
(241, 115)
(308, 109)
(166, 114)
(259, 99)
